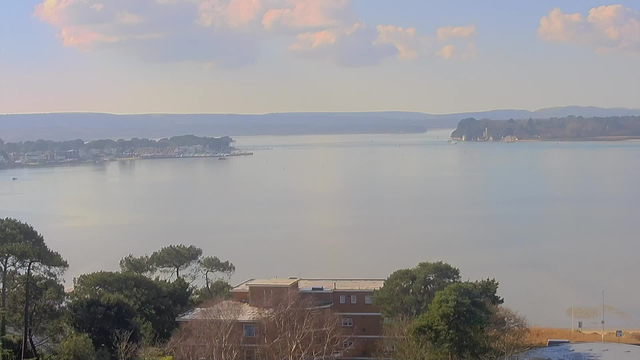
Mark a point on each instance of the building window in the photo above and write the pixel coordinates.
(368, 299)
(354, 299)
(343, 299)
(249, 330)
(347, 344)
(250, 354)
(347, 322)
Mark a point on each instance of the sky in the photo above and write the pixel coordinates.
(260, 56)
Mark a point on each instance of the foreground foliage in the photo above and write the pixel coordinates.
(76, 347)
(153, 301)
(125, 315)
(435, 316)
(31, 271)
(430, 314)
(408, 292)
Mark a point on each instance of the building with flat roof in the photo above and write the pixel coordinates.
(350, 299)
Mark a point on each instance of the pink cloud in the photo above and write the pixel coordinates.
(307, 41)
(229, 32)
(405, 40)
(52, 11)
(81, 38)
(451, 32)
(447, 52)
(230, 13)
(242, 11)
(454, 52)
(349, 46)
(607, 29)
(305, 14)
(558, 26)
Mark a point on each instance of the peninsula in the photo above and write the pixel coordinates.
(569, 128)
(48, 153)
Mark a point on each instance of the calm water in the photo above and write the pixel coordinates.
(554, 222)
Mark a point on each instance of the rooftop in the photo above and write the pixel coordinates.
(342, 284)
(338, 284)
(273, 282)
(225, 310)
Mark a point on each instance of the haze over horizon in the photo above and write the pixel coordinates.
(260, 56)
(329, 111)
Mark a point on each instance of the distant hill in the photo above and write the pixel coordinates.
(89, 126)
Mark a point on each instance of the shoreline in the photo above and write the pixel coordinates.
(540, 335)
(597, 138)
(593, 139)
(89, 163)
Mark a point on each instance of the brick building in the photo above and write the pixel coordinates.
(350, 299)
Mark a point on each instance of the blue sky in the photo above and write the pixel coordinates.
(257, 56)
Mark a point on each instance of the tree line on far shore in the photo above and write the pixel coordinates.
(567, 128)
(429, 312)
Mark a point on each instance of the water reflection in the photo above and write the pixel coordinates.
(554, 222)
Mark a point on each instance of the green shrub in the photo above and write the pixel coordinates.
(10, 347)
(76, 347)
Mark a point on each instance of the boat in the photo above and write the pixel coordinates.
(222, 158)
(453, 142)
(14, 178)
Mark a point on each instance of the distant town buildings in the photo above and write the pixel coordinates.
(486, 136)
(47, 152)
(174, 151)
(36, 158)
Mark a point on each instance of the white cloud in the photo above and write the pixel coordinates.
(97, 7)
(606, 29)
